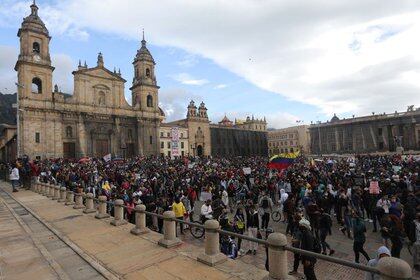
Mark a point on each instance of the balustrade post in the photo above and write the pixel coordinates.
(42, 188)
(90, 208)
(169, 231)
(211, 255)
(62, 195)
(277, 257)
(50, 189)
(70, 198)
(118, 213)
(56, 193)
(140, 227)
(102, 214)
(79, 201)
(394, 269)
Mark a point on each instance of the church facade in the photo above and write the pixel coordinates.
(96, 119)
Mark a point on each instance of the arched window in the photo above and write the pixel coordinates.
(147, 72)
(69, 132)
(36, 85)
(36, 47)
(149, 101)
(101, 98)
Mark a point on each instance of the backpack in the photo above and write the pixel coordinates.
(264, 203)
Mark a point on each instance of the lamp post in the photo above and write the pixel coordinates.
(18, 118)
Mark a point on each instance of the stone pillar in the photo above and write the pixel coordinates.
(36, 186)
(90, 208)
(62, 195)
(50, 190)
(79, 201)
(169, 231)
(56, 193)
(118, 213)
(277, 257)
(211, 255)
(42, 188)
(102, 214)
(140, 227)
(394, 269)
(70, 198)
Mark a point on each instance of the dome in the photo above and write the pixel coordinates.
(33, 22)
(335, 118)
(144, 54)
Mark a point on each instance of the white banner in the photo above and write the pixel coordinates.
(107, 157)
(175, 142)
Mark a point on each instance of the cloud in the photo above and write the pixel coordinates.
(63, 66)
(325, 53)
(187, 79)
(174, 102)
(189, 60)
(220, 86)
(8, 77)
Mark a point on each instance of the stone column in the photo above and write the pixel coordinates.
(102, 214)
(79, 201)
(118, 213)
(70, 198)
(90, 208)
(394, 269)
(50, 190)
(62, 195)
(56, 193)
(277, 257)
(169, 231)
(140, 227)
(42, 189)
(211, 255)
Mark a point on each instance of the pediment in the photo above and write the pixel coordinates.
(100, 72)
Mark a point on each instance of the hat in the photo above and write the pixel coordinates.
(305, 223)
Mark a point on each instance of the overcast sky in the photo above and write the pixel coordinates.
(286, 60)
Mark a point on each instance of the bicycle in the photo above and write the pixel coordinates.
(276, 216)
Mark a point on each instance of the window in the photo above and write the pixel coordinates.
(149, 101)
(69, 132)
(168, 134)
(291, 150)
(169, 153)
(182, 153)
(380, 131)
(137, 72)
(381, 145)
(36, 47)
(162, 145)
(182, 135)
(151, 139)
(182, 145)
(161, 134)
(101, 98)
(37, 137)
(291, 143)
(36, 85)
(168, 145)
(147, 72)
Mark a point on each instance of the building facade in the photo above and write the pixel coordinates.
(93, 121)
(8, 143)
(166, 140)
(368, 134)
(289, 140)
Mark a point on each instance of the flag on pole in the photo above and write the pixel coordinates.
(282, 161)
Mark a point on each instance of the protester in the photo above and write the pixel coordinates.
(382, 253)
(14, 177)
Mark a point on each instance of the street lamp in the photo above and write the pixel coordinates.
(17, 118)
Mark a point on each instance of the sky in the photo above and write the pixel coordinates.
(287, 60)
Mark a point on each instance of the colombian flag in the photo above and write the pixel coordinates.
(282, 161)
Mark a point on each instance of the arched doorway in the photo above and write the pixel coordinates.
(199, 150)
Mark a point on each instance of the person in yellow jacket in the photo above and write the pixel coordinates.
(179, 210)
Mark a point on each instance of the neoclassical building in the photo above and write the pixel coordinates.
(95, 119)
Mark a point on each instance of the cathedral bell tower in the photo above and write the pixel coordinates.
(145, 88)
(34, 62)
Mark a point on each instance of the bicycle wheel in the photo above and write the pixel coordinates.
(197, 232)
(276, 216)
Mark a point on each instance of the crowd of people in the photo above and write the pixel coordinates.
(312, 196)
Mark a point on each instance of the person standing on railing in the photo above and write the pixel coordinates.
(359, 230)
(307, 243)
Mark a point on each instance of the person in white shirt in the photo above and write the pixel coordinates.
(206, 211)
(14, 177)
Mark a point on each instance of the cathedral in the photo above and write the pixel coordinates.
(96, 119)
